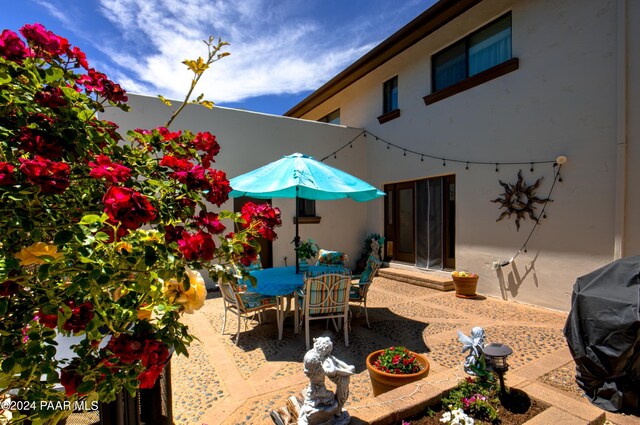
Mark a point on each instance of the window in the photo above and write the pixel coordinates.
(389, 101)
(478, 52)
(306, 207)
(390, 95)
(332, 118)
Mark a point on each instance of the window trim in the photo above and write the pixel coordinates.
(391, 115)
(325, 118)
(496, 71)
(471, 81)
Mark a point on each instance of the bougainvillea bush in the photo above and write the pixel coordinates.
(101, 237)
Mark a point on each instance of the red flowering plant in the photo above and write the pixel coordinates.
(397, 360)
(101, 236)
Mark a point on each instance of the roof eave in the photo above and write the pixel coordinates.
(426, 23)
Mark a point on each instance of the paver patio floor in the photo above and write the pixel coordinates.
(221, 383)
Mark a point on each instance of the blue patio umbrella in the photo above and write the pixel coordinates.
(301, 176)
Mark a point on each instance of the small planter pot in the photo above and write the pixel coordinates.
(303, 265)
(465, 286)
(381, 382)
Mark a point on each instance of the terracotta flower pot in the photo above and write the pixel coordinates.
(381, 382)
(465, 286)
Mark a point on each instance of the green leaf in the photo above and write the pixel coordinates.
(85, 260)
(90, 219)
(102, 237)
(8, 364)
(62, 237)
(4, 76)
(53, 74)
(150, 256)
(165, 101)
(85, 114)
(86, 387)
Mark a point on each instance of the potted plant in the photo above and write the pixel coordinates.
(465, 284)
(306, 251)
(394, 367)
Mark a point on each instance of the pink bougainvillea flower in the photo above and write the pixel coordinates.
(12, 47)
(7, 176)
(265, 217)
(52, 177)
(168, 135)
(79, 56)
(128, 207)
(44, 41)
(178, 164)
(110, 171)
(197, 247)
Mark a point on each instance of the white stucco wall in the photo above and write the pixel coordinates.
(249, 140)
(561, 100)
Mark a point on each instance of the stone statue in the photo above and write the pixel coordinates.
(321, 406)
(474, 345)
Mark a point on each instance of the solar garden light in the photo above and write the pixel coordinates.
(497, 355)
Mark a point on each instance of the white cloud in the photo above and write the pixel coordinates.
(273, 51)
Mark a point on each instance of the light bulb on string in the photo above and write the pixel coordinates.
(350, 145)
(335, 156)
(388, 147)
(497, 169)
(405, 153)
(422, 158)
(467, 167)
(531, 169)
(444, 163)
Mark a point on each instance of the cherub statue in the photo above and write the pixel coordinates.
(321, 406)
(474, 345)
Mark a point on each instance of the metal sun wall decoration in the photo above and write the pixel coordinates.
(519, 199)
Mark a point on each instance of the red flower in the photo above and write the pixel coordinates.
(39, 143)
(249, 255)
(110, 171)
(198, 247)
(155, 353)
(167, 135)
(127, 348)
(12, 47)
(98, 83)
(80, 316)
(6, 174)
(219, 187)
(128, 207)
(149, 377)
(50, 96)
(52, 177)
(211, 222)
(47, 320)
(264, 216)
(8, 288)
(70, 380)
(207, 143)
(172, 233)
(79, 56)
(44, 40)
(178, 164)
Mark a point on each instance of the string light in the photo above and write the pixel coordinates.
(467, 167)
(421, 158)
(405, 153)
(531, 169)
(497, 167)
(444, 163)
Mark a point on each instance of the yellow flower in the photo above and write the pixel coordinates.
(124, 245)
(38, 253)
(191, 300)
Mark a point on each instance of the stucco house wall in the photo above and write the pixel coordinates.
(250, 140)
(564, 99)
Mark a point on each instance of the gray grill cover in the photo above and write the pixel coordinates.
(603, 333)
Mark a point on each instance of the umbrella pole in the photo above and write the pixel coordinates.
(297, 238)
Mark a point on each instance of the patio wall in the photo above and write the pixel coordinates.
(249, 140)
(563, 99)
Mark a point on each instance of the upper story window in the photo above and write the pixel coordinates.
(480, 51)
(389, 101)
(390, 95)
(332, 118)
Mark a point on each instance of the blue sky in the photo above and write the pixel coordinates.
(281, 50)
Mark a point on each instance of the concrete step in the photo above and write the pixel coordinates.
(434, 280)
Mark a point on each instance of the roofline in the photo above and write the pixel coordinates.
(426, 23)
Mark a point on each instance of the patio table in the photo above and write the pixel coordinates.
(282, 282)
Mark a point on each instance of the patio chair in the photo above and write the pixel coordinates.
(242, 303)
(360, 287)
(331, 258)
(326, 296)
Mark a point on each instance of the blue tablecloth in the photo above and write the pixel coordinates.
(280, 280)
